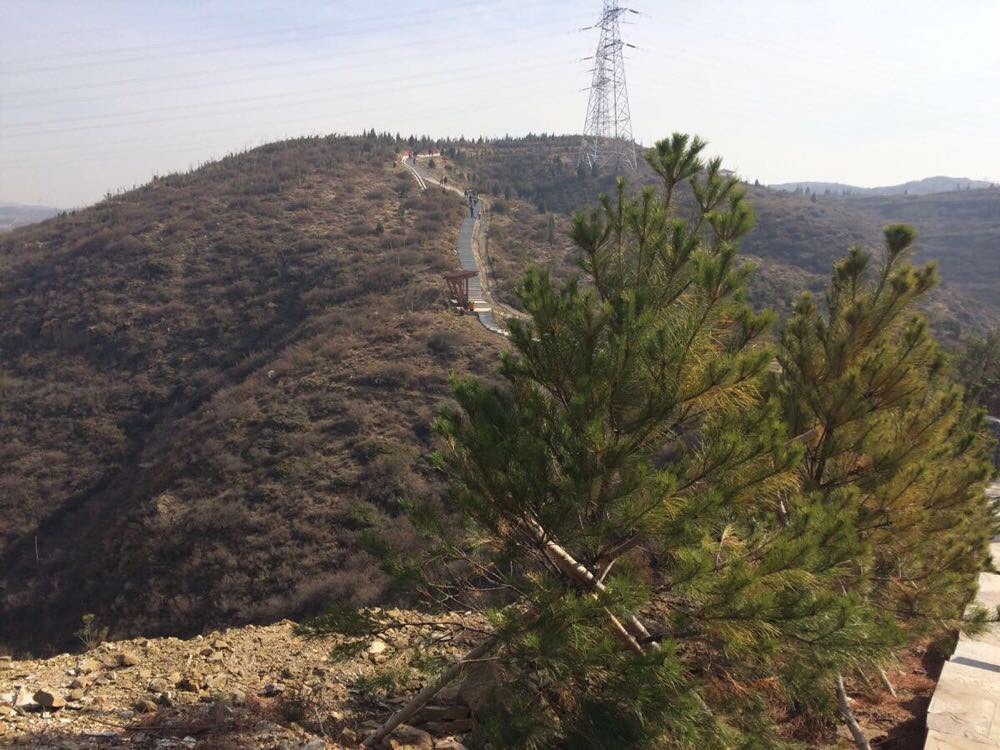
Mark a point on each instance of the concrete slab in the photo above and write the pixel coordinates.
(984, 654)
(960, 709)
(964, 713)
(939, 741)
(989, 590)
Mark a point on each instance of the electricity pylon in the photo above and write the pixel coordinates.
(607, 133)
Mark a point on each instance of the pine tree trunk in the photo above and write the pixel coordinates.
(632, 631)
(860, 741)
(420, 699)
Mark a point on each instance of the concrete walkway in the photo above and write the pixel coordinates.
(481, 304)
(964, 713)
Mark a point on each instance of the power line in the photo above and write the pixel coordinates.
(607, 132)
(555, 72)
(373, 23)
(223, 107)
(438, 42)
(259, 139)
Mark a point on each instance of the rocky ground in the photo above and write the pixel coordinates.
(276, 689)
(249, 687)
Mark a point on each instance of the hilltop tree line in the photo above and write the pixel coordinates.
(679, 528)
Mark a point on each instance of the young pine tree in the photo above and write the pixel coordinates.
(889, 444)
(619, 494)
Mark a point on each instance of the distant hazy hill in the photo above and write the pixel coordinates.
(925, 186)
(17, 215)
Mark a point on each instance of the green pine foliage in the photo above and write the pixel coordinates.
(621, 493)
(889, 441)
(678, 534)
(977, 367)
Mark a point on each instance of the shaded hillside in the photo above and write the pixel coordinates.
(795, 241)
(961, 229)
(211, 385)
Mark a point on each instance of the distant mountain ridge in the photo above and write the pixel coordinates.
(926, 186)
(18, 215)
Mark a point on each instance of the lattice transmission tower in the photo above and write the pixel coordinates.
(607, 133)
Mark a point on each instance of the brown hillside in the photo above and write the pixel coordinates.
(211, 385)
(795, 241)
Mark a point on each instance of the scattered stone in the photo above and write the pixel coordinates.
(76, 694)
(87, 666)
(145, 706)
(273, 688)
(159, 685)
(166, 698)
(449, 743)
(316, 744)
(377, 646)
(215, 681)
(189, 684)
(49, 699)
(348, 736)
(6, 710)
(128, 659)
(79, 683)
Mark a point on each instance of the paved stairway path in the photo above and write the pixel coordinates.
(964, 713)
(482, 306)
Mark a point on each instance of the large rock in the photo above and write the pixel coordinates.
(479, 685)
(49, 698)
(128, 659)
(445, 728)
(442, 713)
(23, 699)
(406, 737)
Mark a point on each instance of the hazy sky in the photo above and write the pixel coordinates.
(103, 94)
